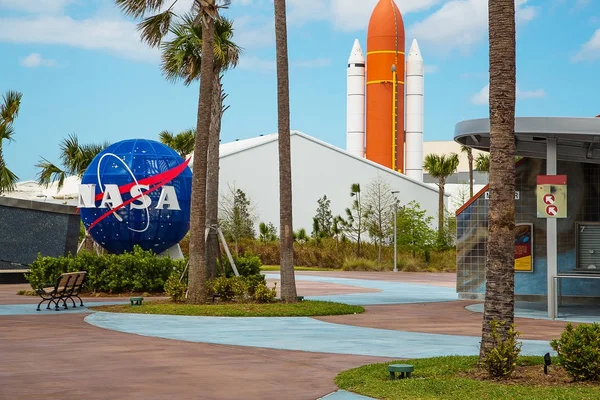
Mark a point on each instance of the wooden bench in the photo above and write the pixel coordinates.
(66, 287)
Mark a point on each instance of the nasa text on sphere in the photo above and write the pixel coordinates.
(136, 192)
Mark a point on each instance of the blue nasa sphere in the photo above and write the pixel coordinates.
(140, 222)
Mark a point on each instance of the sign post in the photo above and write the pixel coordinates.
(551, 205)
(552, 196)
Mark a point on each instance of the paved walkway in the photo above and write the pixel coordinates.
(408, 315)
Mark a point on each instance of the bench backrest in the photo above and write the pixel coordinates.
(71, 281)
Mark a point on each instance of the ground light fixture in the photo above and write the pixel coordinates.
(394, 192)
(547, 361)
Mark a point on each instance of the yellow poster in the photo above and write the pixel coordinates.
(524, 247)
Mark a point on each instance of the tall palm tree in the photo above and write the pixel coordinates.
(469, 151)
(500, 276)
(9, 110)
(286, 242)
(153, 29)
(75, 159)
(182, 59)
(441, 167)
(182, 143)
(482, 163)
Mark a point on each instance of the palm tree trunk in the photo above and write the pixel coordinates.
(470, 156)
(500, 282)
(2, 166)
(197, 269)
(442, 187)
(286, 243)
(212, 182)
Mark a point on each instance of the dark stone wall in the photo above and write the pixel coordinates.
(29, 227)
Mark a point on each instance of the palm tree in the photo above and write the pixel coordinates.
(182, 143)
(153, 29)
(182, 59)
(469, 151)
(441, 167)
(286, 242)
(75, 159)
(500, 277)
(9, 110)
(482, 163)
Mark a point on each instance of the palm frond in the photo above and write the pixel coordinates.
(50, 173)
(166, 138)
(154, 28)
(8, 180)
(139, 8)
(9, 109)
(6, 132)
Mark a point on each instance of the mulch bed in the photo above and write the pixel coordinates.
(530, 375)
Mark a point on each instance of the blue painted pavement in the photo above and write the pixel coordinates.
(344, 395)
(298, 333)
(390, 292)
(30, 309)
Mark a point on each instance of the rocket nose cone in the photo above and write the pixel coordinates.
(415, 52)
(356, 55)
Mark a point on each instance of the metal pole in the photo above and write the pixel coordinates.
(395, 237)
(395, 233)
(551, 234)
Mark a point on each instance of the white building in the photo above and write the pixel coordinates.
(318, 169)
(251, 165)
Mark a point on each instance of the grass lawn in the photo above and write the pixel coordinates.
(306, 308)
(277, 268)
(458, 378)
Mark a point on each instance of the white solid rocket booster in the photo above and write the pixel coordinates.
(355, 111)
(415, 91)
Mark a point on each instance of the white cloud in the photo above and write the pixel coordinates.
(117, 36)
(462, 24)
(590, 50)
(35, 60)
(36, 6)
(483, 96)
(347, 15)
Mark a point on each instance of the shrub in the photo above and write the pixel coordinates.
(247, 265)
(229, 289)
(579, 351)
(500, 360)
(361, 264)
(174, 288)
(139, 271)
(263, 294)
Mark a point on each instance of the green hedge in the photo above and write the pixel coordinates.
(139, 271)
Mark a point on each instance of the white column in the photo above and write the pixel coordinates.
(551, 233)
(355, 111)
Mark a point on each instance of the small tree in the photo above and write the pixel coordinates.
(237, 216)
(267, 233)
(441, 167)
(379, 200)
(469, 151)
(323, 219)
(414, 232)
(354, 225)
(461, 196)
(482, 163)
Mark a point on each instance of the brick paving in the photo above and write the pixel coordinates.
(62, 356)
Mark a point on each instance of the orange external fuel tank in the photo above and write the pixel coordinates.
(385, 88)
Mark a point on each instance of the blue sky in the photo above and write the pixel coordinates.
(82, 69)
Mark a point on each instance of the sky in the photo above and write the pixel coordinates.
(83, 70)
